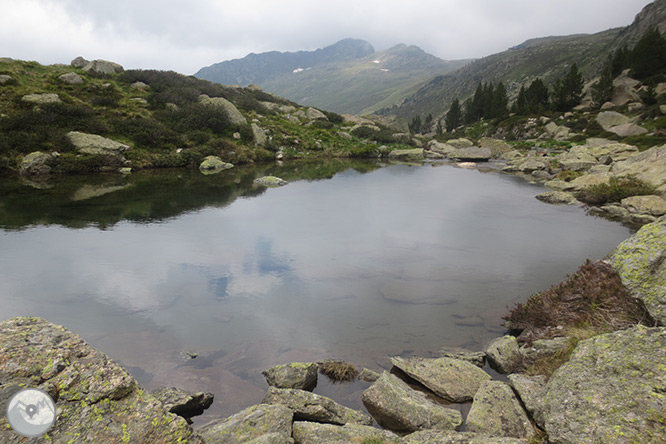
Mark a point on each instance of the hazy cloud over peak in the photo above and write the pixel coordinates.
(183, 36)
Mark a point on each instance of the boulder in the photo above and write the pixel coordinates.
(182, 403)
(94, 144)
(213, 164)
(447, 437)
(270, 181)
(641, 263)
(610, 391)
(315, 433)
(616, 151)
(577, 160)
(96, 399)
(71, 78)
(7, 80)
(543, 347)
(140, 86)
(344, 135)
(368, 375)
(103, 67)
(628, 129)
(41, 98)
(588, 180)
(296, 375)
(399, 408)
(624, 90)
(472, 154)
(615, 212)
(557, 132)
(504, 354)
(460, 143)
(262, 423)
(497, 412)
(441, 148)
(530, 164)
(558, 185)
(308, 406)
(452, 379)
(259, 135)
(609, 119)
(79, 62)
(648, 166)
(558, 198)
(529, 389)
(652, 205)
(235, 116)
(497, 146)
(315, 114)
(413, 155)
(36, 163)
(476, 358)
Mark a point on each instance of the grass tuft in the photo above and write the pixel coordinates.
(338, 371)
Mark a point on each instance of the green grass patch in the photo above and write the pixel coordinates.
(614, 191)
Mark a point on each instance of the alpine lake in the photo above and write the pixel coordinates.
(352, 260)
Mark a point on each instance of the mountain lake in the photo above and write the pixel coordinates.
(352, 260)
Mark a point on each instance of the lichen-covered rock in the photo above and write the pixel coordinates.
(412, 155)
(96, 399)
(628, 129)
(103, 67)
(648, 166)
(529, 390)
(262, 423)
(543, 347)
(558, 198)
(503, 354)
(527, 165)
(476, 358)
(94, 144)
(444, 149)
(577, 160)
(453, 379)
(399, 408)
(472, 154)
(617, 151)
(558, 185)
(295, 375)
(71, 78)
(448, 437)
(235, 116)
(641, 263)
(497, 147)
(652, 205)
(182, 403)
(460, 143)
(315, 433)
(270, 181)
(36, 163)
(315, 114)
(588, 180)
(496, 411)
(610, 391)
(41, 98)
(609, 119)
(312, 407)
(213, 165)
(258, 135)
(368, 375)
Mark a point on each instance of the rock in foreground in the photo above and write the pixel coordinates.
(611, 390)
(257, 424)
(96, 399)
(295, 375)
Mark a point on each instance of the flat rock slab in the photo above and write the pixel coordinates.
(641, 263)
(295, 375)
(96, 399)
(453, 379)
(648, 166)
(315, 433)
(41, 98)
(398, 407)
(263, 423)
(610, 391)
(558, 198)
(436, 437)
(496, 411)
(308, 406)
(95, 144)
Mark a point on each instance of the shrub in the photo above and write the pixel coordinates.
(338, 371)
(614, 191)
(364, 132)
(148, 133)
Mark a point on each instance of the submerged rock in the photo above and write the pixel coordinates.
(312, 407)
(96, 399)
(295, 375)
(315, 433)
(496, 411)
(641, 263)
(453, 379)
(262, 423)
(398, 407)
(610, 391)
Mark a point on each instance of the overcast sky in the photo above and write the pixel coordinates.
(186, 35)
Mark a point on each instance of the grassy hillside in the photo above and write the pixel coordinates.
(164, 123)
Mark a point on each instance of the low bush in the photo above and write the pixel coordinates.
(614, 191)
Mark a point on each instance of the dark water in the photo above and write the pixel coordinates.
(363, 264)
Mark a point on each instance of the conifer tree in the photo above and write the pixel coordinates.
(649, 55)
(602, 90)
(568, 91)
(453, 116)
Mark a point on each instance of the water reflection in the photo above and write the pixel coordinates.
(369, 264)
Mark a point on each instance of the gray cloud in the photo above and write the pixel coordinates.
(183, 36)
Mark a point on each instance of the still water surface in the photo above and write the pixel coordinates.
(367, 263)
